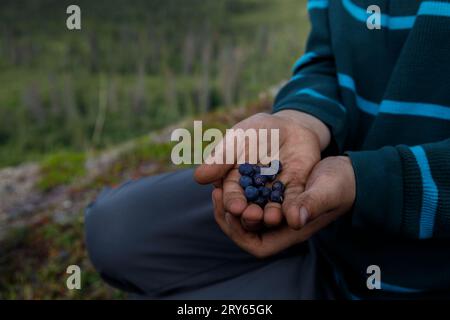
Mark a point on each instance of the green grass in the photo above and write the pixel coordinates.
(61, 169)
(34, 260)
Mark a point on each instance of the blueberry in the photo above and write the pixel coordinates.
(276, 196)
(245, 181)
(261, 201)
(271, 177)
(251, 193)
(278, 185)
(274, 163)
(259, 180)
(264, 192)
(256, 169)
(246, 169)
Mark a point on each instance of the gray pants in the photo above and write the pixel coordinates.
(157, 237)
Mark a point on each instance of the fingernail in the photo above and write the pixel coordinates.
(304, 216)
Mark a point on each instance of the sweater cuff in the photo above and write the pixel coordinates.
(379, 190)
(334, 119)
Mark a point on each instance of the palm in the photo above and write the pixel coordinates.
(299, 152)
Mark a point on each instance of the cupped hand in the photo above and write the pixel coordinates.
(330, 193)
(301, 140)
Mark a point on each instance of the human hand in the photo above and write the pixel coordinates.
(302, 138)
(330, 193)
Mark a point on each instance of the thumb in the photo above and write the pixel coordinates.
(316, 200)
(211, 173)
(319, 197)
(215, 167)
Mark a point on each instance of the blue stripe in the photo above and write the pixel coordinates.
(317, 4)
(395, 23)
(365, 105)
(295, 77)
(430, 194)
(395, 107)
(346, 81)
(434, 8)
(389, 106)
(427, 8)
(304, 59)
(415, 109)
(315, 94)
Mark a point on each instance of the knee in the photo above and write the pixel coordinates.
(107, 245)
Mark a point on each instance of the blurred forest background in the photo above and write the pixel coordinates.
(84, 109)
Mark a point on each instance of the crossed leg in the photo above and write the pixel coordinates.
(157, 237)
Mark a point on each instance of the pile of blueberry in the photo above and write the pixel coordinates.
(256, 186)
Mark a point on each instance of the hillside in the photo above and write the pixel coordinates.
(93, 108)
(42, 220)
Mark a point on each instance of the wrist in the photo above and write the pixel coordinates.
(310, 123)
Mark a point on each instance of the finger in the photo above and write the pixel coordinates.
(321, 198)
(236, 232)
(209, 173)
(272, 214)
(231, 225)
(246, 240)
(252, 226)
(294, 175)
(291, 206)
(295, 172)
(233, 196)
(253, 217)
(217, 164)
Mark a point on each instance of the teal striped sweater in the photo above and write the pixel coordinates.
(385, 95)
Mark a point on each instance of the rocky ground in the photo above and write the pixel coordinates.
(41, 229)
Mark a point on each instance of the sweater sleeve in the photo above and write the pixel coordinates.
(404, 191)
(314, 89)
